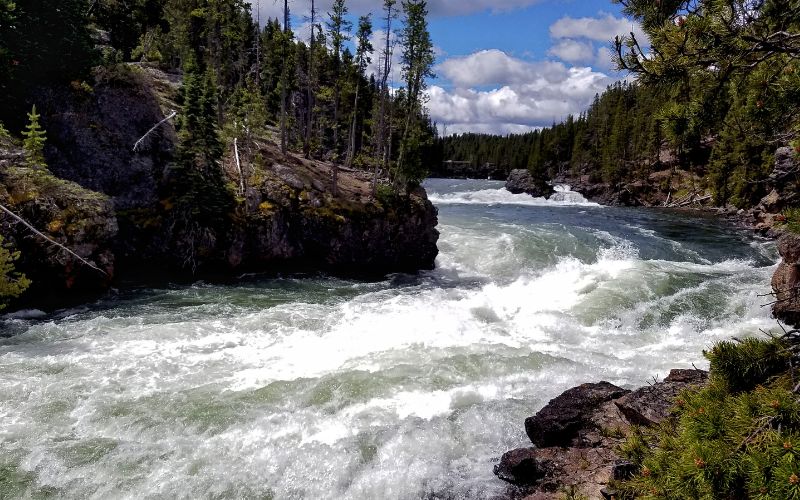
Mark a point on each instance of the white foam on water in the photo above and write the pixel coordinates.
(503, 197)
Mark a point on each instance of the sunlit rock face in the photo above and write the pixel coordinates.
(786, 281)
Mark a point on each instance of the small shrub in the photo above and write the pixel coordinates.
(791, 220)
(35, 138)
(385, 194)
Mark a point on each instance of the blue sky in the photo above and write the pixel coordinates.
(506, 65)
(521, 32)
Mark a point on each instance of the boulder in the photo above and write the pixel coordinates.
(771, 203)
(649, 406)
(784, 179)
(522, 181)
(786, 279)
(521, 467)
(562, 420)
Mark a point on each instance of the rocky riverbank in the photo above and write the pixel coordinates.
(576, 437)
(674, 188)
(111, 204)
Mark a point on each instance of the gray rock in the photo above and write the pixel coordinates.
(785, 161)
(288, 176)
(521, 181)
(771, 203)
(651, 405)
(623, 470)
(560, 422)
(786, 281)
(521, 467)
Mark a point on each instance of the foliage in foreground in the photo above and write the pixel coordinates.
(12, 284)
(739, 437)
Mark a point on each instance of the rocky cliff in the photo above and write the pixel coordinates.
(80, 219)
(112, 204)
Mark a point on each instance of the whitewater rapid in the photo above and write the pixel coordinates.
(315, 387)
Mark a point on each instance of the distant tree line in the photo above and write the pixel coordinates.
(716, 92)
(617, 138)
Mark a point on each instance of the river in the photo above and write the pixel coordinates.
(320, 388)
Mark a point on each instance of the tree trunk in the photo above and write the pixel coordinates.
(382, 150)
(351, 149)
(310, 97)
(284, 76)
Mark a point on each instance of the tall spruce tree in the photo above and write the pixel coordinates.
(418, 59)
(284, 81)
(202, 199)
(34, 141)
(339, 29)
(382, 134)
(363, 51)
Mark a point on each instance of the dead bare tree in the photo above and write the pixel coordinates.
(284, 76)
(38, 233)
(172, 115)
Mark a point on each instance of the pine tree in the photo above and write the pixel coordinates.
(285, 78)
(12, 283)
(7, 15)
(310, 84)
(339, 29)
(34, 141)
(383, 138)
(363, 51)
(418, 61)
(201, 196)
(48, 41)
(738, 437)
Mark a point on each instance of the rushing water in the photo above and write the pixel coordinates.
(321, 388)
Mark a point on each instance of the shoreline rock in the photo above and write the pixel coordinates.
(566, 417)
(786, 281)
(576, 435)
(521, 181)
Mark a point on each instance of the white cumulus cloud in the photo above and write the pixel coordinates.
(525, 95)
(600, 29)
(573, 51)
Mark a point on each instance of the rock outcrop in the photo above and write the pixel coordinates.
(786, 281)
(676, 188)
(783, 182)
(81, 220)
(577, 433)
(649, 406)
(117, 207)
(521, 181)
(561, 422)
